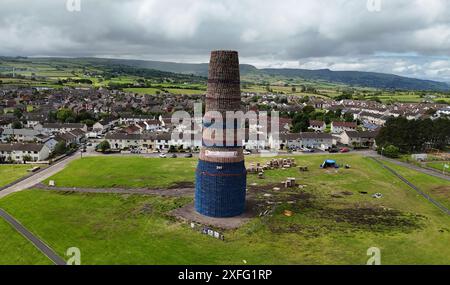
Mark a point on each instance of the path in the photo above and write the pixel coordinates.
(39, 244)
(426, 196)
(175, 192)
(38, 177)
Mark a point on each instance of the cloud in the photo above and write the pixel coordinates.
(340, 34)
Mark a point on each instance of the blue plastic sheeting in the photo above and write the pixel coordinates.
(220, 189)
(329, 161)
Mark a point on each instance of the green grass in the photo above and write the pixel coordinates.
(437, 188)
(136, 172)
(145, 91)
(133, 229)
(16, 250)
(439, 166)
(10, 173)
(185, 91)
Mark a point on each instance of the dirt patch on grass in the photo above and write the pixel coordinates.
(182, 184)
(316, 218)
(374, 218)
(443, 191)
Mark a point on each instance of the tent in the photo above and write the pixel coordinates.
(329, 163)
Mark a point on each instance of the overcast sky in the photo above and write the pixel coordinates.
(405, 37)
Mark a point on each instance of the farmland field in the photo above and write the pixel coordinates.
(335, 218)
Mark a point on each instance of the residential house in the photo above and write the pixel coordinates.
(322, 141)
(54, 128)
(358, 139)
(19, 135)
(339, 127)
(19, 152)
(317, 126)
(104, 125)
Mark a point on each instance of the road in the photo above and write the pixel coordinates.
(39, 244)
(38, 177)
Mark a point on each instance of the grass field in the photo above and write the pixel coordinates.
(16, 250)
(439, 166)
(145, 91)
(10, 173)
(136, 172)
(333, 223)
(435, 187)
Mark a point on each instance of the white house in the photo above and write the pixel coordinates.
(19, 135)
(53, 128)
(104, 125)
(322, 141)
(358, 139)
(443, 112)
(339, 127)
(317, 126)
(18, 152)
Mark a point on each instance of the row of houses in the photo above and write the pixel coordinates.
(37, 144)
(21, 152)
(324, 141)
(150, 142)
(336, 127)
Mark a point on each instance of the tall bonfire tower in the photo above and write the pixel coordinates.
(221, 177)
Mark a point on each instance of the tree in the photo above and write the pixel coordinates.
(300, 123)
(348, 117)
(294, 89)
(103, 146)
(415, 135)
(26, 158)
(60, 148)
(391, 151)
(308, 109)
(18, 113)
(17, 125)
(65, 115)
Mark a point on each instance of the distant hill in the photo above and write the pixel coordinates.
(352, 78)
(359, 78)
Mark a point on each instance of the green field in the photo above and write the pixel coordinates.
(145, 91)
(437, 188)
(333, 223)
(104, 172)
(439, 166)
(16, 250)
(10, 173)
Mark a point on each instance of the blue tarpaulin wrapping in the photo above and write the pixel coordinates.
(220, 189)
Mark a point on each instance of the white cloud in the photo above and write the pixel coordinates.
(406, 37)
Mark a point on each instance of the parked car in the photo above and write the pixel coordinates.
(308, 150)
(163, 155)
(344, 149)
(246, 152)
(189, 155)
(333, 150)
(173, 156)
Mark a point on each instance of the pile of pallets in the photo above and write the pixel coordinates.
(276, 163)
